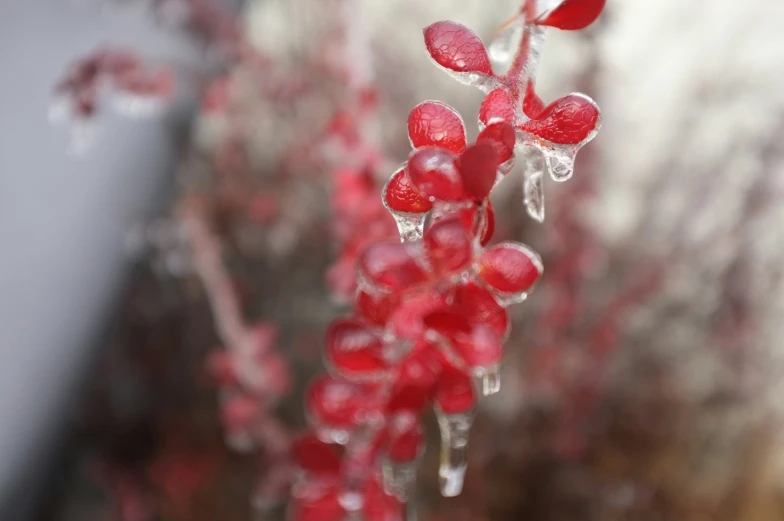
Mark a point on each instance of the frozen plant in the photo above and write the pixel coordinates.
(430, 316)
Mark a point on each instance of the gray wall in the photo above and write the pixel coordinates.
(63, 219)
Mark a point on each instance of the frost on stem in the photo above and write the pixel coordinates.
(430, 316)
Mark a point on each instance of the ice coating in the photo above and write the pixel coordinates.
(453, 461)
(533, 183)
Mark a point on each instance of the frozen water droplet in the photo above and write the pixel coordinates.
(454, 451)
(533, 183)
(560, 162)
(505, 44)
(410, 225)
(489, 379)
(400, 478)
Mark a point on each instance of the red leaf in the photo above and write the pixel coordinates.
(457, 48)
(313, 455)
(478, 306)
(502, 136)
(566, 121)
(434, 173)
(498, 105)
(509, 267)
(433, 123)
(479, 169)
(454, 392)
(400, 196)
(448, 245)
(389, 267)
(532, 104)
(354, 350)
(572, 15)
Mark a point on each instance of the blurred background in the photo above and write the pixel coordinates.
(215, 197)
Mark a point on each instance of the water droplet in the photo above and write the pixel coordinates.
(410, 225)
(560, 162)
(400, 478)
(454, 450)
(533, 183)
(489, 379)
(503, 47)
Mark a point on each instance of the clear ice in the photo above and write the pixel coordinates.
(454, 446)
(533, 183)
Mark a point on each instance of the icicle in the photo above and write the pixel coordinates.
(410, 225)
(400, 478)
(560, 162)
(488, 379)
(533, 183)
(454, 446)
(506, 43)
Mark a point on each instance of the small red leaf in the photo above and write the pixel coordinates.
(478, 306)
(373, 308)
(407, 320)
(406, 437)
(354, 350)
(497, 106)
(336, 403)
(434, 173)
(457, 48)
(448, 245)
(572, 15)
(502, 136)
(479, 169)
(313, 455)
(567, 121)
(433, 123)
(454, 392)
(532, 104)
(400, 196)
(389, 267)
(509, 267)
